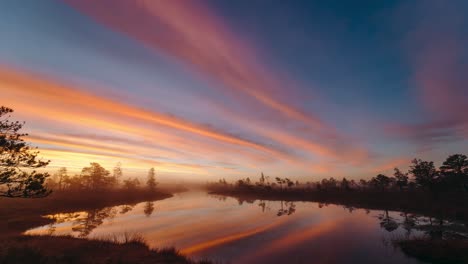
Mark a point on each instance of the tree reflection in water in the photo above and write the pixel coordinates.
(126, 208)
(149, 208)
(289, 208)
(438, 228)
(404, 226)
(388, 223)
(83, 223)
(286, 207)
(436, 240)
(412, 224)
(264, 205)
(59, 219)
(429, 227)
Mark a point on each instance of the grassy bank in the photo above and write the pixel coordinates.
(17, 215)
(46, 249)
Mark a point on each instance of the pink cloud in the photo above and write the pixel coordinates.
(195, 36)
(435, 47)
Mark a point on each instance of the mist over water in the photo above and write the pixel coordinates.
(229, 230)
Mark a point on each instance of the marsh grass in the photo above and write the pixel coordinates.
(18, 215)
(122, 238)
(118, 248)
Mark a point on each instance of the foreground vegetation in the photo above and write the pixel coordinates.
(92, 189)
(123, 249)
(72, 194)
(18, 215)
(436, 251)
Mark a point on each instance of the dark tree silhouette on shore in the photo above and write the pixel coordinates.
(117, 172)
(280, 182)
(60, 177)
(151, 181)
(381, 182)
(401, 179)
(18, 161)
(455, 169)
(423, 188)
(387, 222)
(345, 185)
(425, 174)
(96, 177)
(131, 184)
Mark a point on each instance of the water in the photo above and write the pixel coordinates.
(227, 230)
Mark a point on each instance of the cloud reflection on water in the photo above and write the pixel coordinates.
(241, 231)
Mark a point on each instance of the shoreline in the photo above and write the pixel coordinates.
(450, 207)
(66, 249)
(432, 247)
(19, 215)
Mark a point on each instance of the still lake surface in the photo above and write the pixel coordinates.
(231, 231)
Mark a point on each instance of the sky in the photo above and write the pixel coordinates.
(208, 89)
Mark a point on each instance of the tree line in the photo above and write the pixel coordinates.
(451, 176)
(97, 178)
(19, 163)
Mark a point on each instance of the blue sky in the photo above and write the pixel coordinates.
(203, 89)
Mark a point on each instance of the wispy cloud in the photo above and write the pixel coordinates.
(58, 105)
(196, 37)
(245, 115)
(436, 53)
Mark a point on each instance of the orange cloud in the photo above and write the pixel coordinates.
(75, 160)
(67, 96)
(158, 136)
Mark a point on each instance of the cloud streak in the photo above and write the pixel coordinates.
(223, 103)
(437, 55)
(193, 35)
(158, 137)
(59, 105)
